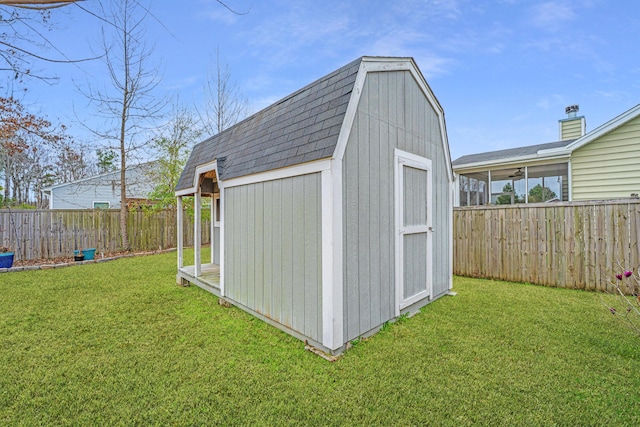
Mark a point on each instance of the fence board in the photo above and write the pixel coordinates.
(577, 245)
(48, 234)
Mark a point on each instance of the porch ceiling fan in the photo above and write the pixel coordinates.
(517, 173)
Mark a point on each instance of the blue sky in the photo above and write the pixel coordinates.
(503, 70)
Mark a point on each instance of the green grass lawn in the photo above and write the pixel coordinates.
(120, 343)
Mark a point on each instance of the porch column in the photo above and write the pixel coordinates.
(489, 184)
(180, 234)
(197, 226)
(221, 255)
(526, 184)
(213, 221)
(467, 188)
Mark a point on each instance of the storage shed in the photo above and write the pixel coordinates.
(332, 207)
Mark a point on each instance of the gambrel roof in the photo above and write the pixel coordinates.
(301, 127)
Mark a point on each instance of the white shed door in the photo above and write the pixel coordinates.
(413, 228)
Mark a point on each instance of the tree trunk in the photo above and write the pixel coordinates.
(7, 179)
(123, 188)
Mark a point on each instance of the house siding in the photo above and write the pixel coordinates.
(273, 262)
(82, 195)
(571, 129)
(392, 113)
(615, 158)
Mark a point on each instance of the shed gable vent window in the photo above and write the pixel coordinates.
(101, 205)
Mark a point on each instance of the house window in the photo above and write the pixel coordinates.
(101, 205)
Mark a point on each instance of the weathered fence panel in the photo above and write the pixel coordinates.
(48, 234)
(575, 245)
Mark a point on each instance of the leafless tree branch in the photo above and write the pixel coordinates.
(223, 105)
(129, 105)
(232, 10)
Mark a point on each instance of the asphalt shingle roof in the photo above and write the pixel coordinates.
(508, 153)
(301, 127)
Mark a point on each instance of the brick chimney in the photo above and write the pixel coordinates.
(574, 126)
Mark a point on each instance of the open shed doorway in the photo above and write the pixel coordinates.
(205, 207)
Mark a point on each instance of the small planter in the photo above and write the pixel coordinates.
(89, 254)
(78, 256)
(6, 259)
(84, 254)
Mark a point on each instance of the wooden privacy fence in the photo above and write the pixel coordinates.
(576, 245)
(47, 234)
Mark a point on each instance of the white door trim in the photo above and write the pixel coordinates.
(402, 159)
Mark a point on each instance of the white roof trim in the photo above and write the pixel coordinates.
(200, 169)
(378, 64)
(280, 173)
(350, 114)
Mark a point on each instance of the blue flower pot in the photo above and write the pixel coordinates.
(6, 260)
(89, 253)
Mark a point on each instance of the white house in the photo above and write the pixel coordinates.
(101, 191)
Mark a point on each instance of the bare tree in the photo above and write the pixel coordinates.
(171, 147)
(223, 104)
(70, 164)
(23, 39)
(24, 137)
(129, 105)
(26, 172)
(39, 164)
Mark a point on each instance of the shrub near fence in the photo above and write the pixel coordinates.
(572, 245)
(47, 234)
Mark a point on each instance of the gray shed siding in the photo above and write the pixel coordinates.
(216, 245)
(392, 113)
(273, 261)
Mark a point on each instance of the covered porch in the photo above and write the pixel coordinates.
(203, 271)
(514, 183)
(208, 278)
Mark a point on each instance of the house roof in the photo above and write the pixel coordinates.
(301, 127)
(509, 153)
(145, 166)
(605, 128)
(544, 151)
